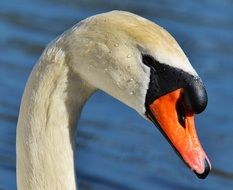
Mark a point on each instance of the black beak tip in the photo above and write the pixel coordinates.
(205, 173)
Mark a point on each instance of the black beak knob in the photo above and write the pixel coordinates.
(195, 96)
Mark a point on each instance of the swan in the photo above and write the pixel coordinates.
(130, 58)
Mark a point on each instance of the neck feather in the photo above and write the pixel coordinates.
(49, 112)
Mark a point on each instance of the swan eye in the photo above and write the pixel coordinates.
(148, 60)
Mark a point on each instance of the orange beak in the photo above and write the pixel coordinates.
(169, 113)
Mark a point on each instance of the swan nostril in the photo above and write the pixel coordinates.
(180, 113)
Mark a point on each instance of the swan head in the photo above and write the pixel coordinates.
(142, 65)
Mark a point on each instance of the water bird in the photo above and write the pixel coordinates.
(130, 58)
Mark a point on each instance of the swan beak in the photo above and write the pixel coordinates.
(168, 112)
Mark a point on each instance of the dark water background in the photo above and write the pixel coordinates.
(116, 148)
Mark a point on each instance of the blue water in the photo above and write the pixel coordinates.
(117, 149)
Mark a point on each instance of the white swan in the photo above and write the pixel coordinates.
(130, 58)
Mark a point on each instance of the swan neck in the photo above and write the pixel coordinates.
(50, 108)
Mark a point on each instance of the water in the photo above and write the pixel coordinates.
(116, 148)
